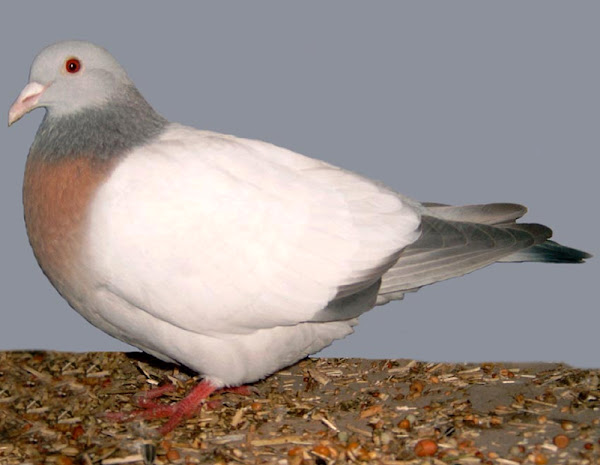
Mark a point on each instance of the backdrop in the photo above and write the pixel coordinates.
(456, 102)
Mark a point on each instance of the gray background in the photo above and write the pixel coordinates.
(459, 102)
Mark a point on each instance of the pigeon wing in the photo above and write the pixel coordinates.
(216, 234)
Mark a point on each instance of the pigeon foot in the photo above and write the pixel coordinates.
(149, 409)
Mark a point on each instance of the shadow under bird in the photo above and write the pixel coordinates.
(231, 256)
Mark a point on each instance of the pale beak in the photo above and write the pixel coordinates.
(26, 101)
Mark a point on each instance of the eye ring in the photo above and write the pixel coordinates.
(72, 65)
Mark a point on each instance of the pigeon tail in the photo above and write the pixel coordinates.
(456, 240)
(548, 252)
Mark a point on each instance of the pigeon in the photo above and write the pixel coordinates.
(230, 256)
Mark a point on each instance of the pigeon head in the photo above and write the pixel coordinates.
(92, 106)
(68, 77)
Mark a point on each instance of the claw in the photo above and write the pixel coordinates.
(185, 408)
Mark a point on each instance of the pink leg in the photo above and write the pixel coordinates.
(239, 390)
(188, 406)
(144, 399)
(176, 412)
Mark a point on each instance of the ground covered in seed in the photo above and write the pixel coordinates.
(320, 411)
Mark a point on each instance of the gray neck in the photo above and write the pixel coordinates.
(100, 132)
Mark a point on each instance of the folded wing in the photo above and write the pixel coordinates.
(217, 234)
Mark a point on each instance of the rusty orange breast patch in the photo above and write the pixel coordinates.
(56, 197)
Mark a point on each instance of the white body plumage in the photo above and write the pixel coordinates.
(236, 257)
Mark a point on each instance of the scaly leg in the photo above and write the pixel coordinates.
(185, 408)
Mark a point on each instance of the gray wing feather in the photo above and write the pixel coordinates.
(457, 240)
(447, 249)
(492, 213)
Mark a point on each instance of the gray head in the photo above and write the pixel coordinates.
(92, 105)
(69, 76)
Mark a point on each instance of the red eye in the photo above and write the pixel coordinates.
(73, 65)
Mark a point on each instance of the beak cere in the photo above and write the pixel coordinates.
(26, 101)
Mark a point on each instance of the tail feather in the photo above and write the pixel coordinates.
(548, 252)
(458, 240)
